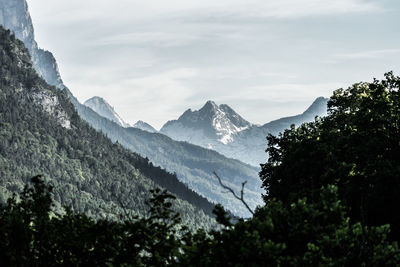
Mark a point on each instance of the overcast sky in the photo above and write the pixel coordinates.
(154, 59)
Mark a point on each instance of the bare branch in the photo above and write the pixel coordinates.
(241, 198)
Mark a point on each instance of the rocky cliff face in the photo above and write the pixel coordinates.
(14, 15)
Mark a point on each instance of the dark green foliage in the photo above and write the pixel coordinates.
(356, 147)
(31, 235)
(89, 173)
(302, 234)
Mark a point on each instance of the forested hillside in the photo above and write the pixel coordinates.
(41, 133)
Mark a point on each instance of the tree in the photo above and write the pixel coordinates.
(356, 147)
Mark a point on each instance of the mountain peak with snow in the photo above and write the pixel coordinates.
(213, 121)
(101, 107)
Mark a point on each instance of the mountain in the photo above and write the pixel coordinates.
(220, 128)
(41, 133)
(192, 165)
(203, 127)
(101, 107)
(144, 126)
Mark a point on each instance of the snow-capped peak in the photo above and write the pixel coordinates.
(220, 122)
(100, 106)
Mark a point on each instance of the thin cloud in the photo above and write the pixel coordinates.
(303, 8)
(371, 54)
(157, 38)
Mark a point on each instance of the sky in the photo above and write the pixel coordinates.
(152, 60)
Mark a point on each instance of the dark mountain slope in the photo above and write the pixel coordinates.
(41, 133)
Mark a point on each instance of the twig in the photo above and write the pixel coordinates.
(241, 198)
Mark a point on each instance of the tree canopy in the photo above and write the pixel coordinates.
(356, 147)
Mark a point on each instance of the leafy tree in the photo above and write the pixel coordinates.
(356, 147)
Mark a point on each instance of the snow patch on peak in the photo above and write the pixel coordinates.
(225, 128)
(219, 123)
(227, 123)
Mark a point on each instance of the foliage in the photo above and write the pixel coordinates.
(304, 234)
(356, 147)
(33, 236)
